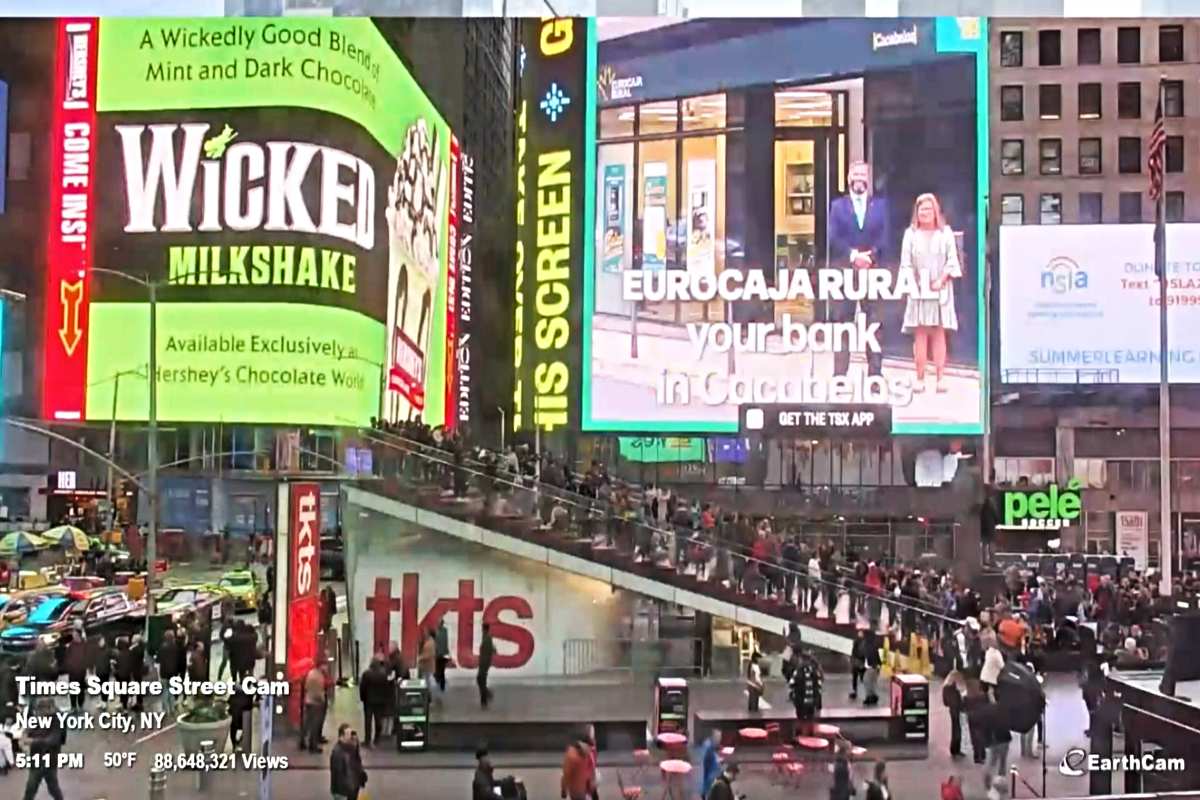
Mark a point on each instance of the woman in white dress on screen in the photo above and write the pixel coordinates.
(930, 251)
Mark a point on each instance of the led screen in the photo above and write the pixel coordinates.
(285, 185)
(1080, 304)
(788, 212)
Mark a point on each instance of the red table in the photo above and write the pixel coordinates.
(753, 734)
(813, 743)
(827, 730)
(857, 752)
(675, 774)
(672, 740)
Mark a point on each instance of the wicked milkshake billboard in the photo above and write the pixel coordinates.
(285, 186)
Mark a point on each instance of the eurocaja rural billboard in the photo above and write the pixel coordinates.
(285, 184)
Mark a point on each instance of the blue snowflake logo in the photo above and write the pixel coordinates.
(555, 102)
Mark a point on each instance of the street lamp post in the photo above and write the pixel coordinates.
(112, 454)
(152, 446)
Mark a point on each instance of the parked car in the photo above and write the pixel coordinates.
(177, 600)
(15, 606)
(244, 586)
(107, 611)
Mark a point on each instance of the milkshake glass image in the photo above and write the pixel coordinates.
(415, 228)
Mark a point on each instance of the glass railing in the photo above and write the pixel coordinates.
(486, 494)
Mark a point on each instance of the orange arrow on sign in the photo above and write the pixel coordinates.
(70, 295)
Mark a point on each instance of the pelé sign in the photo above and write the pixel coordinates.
(1049, 510)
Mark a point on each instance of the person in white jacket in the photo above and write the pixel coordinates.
(993, 663)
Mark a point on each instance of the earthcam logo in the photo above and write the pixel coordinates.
(1078, 762)
(1062, 275)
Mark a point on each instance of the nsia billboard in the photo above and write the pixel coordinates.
(285, 184)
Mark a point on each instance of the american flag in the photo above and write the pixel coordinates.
(1158, 145)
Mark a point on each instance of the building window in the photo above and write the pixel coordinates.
(1090, 162)
(1091, 207)
(1088, 46)
(1050, 101)
(616, 122)
(1170, 43)
(1130, 207)
(1051, 210)
(1089, 101)
(1129, 155)
(1050, 156)
(1012, 48)
(1172, 98)
(1129, 100)
(1012, 103)
(1012, 209)
(1012, 157)
(1049, 48)
(1174, 204)
(1129, 45)
(1174, 154)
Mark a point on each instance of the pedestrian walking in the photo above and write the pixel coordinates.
(44, 742)
(168, 667)
(374, 687)
(314, 710)
(952, 698)
(873, 662)
(76, 663)
(877, 787)
(487, 652)
(754, 683)
(442, 653)
(843, 786)
(579, 770)
(427, 658)
(346, 774)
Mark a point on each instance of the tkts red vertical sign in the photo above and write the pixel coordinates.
(304, 558)
(452, 283)
(69, 238)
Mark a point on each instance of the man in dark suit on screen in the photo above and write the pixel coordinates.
(859, 238)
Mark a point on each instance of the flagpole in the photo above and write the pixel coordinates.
(1165, 548)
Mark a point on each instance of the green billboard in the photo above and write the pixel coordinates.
(286, 183)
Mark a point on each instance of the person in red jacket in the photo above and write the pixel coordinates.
(579, 769)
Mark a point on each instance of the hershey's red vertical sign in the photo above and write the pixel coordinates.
(69, 234)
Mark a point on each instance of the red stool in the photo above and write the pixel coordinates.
(780, 761)
(675, 773)
(753, 735)
(793, 772)
(674, 743)
(826, 730)
(813, 744)
(773, 733)
(628, 792)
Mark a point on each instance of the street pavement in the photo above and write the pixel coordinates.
(448, 776)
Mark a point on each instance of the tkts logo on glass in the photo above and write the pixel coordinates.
(472, 611)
